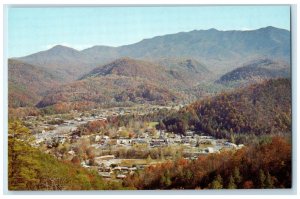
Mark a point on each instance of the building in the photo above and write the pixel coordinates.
(121, 176)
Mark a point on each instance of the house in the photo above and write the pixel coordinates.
(209, 150)
(158, 142)
(62, 139)
(185, 140)
(119, 168)
(84, 165)
(143, 135)
(124, 141)
(132, 169)
(71, 152)
(230, 145)
(78, 119)
(140, 141)
(104, 169)
(39, 141)
(105, 137)
(177, 139)
(121, 176)
(104, 174)
(141, 166)
(205, 137)
(189, 133)
(97, 138)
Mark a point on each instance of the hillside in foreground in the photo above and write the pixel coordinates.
(31, 169)
(266, 166)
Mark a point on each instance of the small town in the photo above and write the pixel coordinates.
(120, 154)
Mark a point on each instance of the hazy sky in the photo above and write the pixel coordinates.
(35, 29)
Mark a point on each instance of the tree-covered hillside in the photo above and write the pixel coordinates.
(258, 109)
(31, 169)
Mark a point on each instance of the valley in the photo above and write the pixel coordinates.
(192, 110)
(118, 154)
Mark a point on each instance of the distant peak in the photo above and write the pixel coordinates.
(212, 29)
(271, 28)
(59, 47)
(62, 48)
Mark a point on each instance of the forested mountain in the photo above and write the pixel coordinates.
(27, 83)
(110, 90)
(66, 63)
(256, 70)
(263, 108)
(187, 70)
(162, 69)
(220, 49)
(132, 68)
(128, 80)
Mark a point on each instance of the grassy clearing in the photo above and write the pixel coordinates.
(152, 124)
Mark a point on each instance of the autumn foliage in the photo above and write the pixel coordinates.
(256, 110)
(263, 166)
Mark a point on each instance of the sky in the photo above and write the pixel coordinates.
(30, 30)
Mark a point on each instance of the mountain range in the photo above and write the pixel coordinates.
(211, 46)
(156, 70)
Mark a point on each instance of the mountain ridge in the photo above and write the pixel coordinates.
(220, 50)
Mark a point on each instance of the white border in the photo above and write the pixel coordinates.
(224, 193)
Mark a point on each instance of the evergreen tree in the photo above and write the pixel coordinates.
(149, 159)
(269, 182)
(166, 179)
(217, 183)
(231, 184)
(237, 176)
(262, 179)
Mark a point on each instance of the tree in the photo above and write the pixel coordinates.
(231, 184)
(166, 179)
(236, 175)
(248, 184)
(232, 137)
(217, 183)
(20, 163)
(269, 182)
(262, 178)
(76, 160)
(149, 159)
(161, 125)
